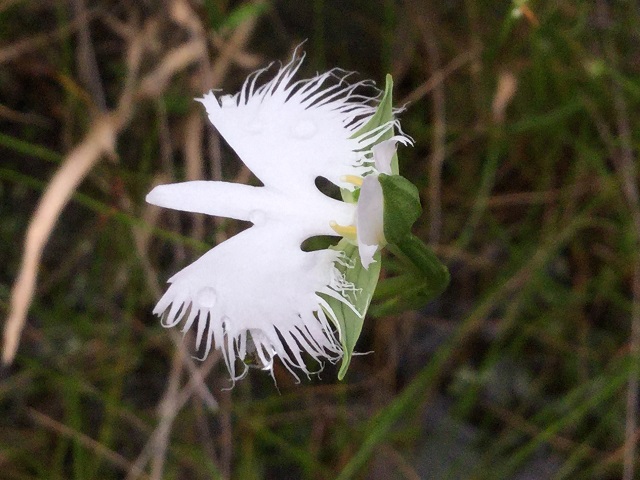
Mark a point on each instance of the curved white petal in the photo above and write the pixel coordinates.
(257, 292)
(383, 153)
(366, 254)
(369, 219)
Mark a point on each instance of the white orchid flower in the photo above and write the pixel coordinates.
(258, 293)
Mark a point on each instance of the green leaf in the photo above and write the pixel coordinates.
(348, 323)
(384, 114)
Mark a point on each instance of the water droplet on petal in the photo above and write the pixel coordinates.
(304, 129)
(206, 297)
(257, 217)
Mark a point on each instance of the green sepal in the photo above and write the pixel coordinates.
(349, 323)
(435, 275)
(425, 278)
(430, 277)
(401, 206)
(400, 294)
(382, 115)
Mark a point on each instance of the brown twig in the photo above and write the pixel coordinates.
(99, 140)
(440, 76)
(33, 42)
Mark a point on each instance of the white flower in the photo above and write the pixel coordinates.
(258, 293)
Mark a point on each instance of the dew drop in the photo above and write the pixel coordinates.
(257, 217)
(207, 297)
(304, 129)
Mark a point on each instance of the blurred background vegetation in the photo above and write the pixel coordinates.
(525, 118)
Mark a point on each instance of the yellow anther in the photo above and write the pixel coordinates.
(352, 179)
(347, 232)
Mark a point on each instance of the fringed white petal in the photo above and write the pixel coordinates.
(258, 293)
(289, 133)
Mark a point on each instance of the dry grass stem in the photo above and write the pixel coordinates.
(172, 402)
(168, 410)
(86, 58)
(174, 61)
(233, 48)
(99, 141)
(438, 77)
(626, 166)
(505, 90)
(193, 142)
(34, 42)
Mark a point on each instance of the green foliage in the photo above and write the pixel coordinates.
(401, 206)
(425, 277)
(349, 323)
